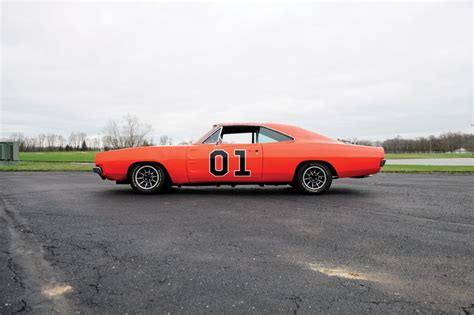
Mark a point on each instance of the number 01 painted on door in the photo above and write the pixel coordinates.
(242, 171)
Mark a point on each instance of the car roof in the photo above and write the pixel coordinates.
(297, 133)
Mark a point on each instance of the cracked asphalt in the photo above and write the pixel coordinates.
(70, 242)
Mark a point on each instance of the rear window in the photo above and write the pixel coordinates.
(266, 135)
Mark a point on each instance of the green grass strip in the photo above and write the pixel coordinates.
(401, 156)
(427, 169)
(47, 167)
(79, 156)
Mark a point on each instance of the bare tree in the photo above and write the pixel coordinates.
(91, 143)
(128, 132)
(112, 135)
(81, 137)
(73, 140)
(358, 141)
(186, 142)
(41, 140)
(61, 141)
(165, 140)
(30, 144)
(17, 136)
(51, 140)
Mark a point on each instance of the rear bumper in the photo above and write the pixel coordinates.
(98, 170)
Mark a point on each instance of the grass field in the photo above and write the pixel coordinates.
(58, 156)
(27, 166)
(402, 156)
(70, 161)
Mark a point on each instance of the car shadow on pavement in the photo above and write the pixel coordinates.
(240, 191)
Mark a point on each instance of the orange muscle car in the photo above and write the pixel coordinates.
(248, 153)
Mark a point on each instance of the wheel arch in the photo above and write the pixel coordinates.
(131, 166)
(329, 165)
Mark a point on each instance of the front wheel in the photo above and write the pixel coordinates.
(313, 178)
(147, 178)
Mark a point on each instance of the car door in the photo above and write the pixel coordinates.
(224, 163)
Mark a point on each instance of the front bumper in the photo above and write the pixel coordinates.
(98, 170)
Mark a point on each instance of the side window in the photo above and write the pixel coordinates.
(266, 135)
(212, 139)
(240, 138)
(239, 134)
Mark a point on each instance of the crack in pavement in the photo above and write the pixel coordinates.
(96, 284)
(295, 299)
(32, 272)
(17, 277)
(24, 307)
(468, 310)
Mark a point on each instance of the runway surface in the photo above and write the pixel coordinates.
(389, 243)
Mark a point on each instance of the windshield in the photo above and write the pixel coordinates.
(207, 135)
(213, 138)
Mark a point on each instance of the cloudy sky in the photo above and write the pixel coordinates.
(349, 70)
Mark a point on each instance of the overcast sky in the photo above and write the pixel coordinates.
(347, 70)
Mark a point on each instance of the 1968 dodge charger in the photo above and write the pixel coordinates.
(242, 153)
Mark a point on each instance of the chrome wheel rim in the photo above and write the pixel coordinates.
(147, 177)
(314, 178)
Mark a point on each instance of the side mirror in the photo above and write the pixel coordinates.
(219, 141)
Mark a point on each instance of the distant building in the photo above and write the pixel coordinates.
(9, 152)
(460, 150)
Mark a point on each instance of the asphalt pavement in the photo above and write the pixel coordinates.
(70, 242)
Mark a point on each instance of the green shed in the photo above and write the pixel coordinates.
(9, 152)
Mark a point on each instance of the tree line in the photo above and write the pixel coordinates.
(130, 132)
(446, 142)
(124, 133)
(77, 141)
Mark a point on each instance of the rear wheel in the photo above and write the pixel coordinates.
(313, 178)
(147, 178)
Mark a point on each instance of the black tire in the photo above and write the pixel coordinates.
(148, 178)
(313, 178)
